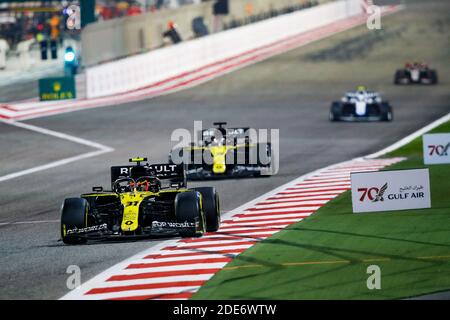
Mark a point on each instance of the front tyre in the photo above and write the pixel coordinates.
(331, 116)
(335, 111)
(433, 77)
(211, 207)
(73, 216)
(188, 210)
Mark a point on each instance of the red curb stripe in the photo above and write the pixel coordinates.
(284, 207)
(176, 255)
(306, 212)
(279, 197)
(236, 243)
(262, 225)
(301, 216)
(319, 185)
(176, 263)
(332, 188)
(169, 296)
(244, 230)
(309, 182)
(309, 192)
(203, 239)
(245, 235)
(146, 287)
(163, 274)
(290, 201)
(242, 224)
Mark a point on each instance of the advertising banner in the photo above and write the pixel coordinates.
(390, 190)
(436, 148)
(57, 88)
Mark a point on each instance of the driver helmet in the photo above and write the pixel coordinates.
(217, 142)
(361, 90)
(151, 184)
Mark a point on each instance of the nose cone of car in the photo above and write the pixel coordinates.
(219, 168)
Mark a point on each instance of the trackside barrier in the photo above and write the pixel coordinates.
(145, 69)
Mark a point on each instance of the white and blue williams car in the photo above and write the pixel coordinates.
(361, 105)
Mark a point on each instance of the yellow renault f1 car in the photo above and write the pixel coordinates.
(224, 153)
(144, 200)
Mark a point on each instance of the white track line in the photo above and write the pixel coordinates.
(100, 149)
(57, 134)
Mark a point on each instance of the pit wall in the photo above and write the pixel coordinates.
(142, 70)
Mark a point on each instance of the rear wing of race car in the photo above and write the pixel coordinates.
(174, 173)
(206, 135)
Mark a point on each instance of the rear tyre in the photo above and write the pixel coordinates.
(188, 209)
(211, 207)
(267, 162)
(332, 116)
(73, 216)
(388, 115)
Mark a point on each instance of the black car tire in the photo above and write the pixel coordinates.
(188, 209)
(267, 171)
(335, 111)
(386, 110)
(399, 74)
(433, 77)
(389, 116)
(211, 207)
(73, 215)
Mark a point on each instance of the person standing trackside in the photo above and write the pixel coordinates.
(4, 47)
(172, 33)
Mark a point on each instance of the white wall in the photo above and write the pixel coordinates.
(144, 69)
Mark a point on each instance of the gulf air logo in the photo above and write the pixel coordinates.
(373, 194)
(438, 149)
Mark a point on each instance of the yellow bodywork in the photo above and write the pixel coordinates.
(219, 155)
(131, 202)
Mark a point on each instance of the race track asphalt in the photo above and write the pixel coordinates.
(291, 92)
